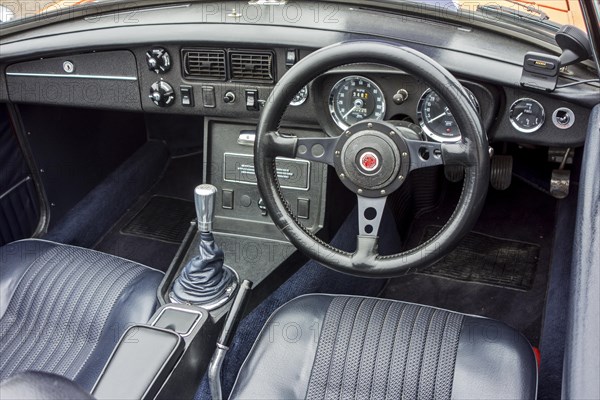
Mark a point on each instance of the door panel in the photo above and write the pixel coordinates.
(19, 205)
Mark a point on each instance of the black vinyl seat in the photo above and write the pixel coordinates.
(63, 308)
(344, 347)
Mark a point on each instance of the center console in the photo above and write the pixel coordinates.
(230, 244)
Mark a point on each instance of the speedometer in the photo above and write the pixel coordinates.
(436, 119)
(354, 99)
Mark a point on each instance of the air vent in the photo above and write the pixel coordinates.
(204, 64)
(251, 66)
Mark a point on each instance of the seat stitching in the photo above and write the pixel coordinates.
(90, 303)
(138, 273)
(45, 270)
(72, 313)
(57, 293)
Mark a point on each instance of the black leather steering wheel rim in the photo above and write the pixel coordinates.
(471, 152)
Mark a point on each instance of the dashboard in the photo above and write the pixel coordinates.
(183, 59)
(234, 82)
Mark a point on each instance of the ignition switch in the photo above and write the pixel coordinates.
(401, 96)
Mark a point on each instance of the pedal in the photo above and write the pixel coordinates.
(501, 172)
(454, 173)
(559, 183)
(561, 177)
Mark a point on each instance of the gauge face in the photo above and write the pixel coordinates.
(300, 97)
(436, 119)
(527, 115)
(354, 99)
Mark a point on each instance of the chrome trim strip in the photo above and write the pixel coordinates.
(75, 76)
(9, 191)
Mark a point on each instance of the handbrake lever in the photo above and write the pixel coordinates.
(224, 341)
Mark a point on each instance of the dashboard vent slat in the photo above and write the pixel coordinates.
(252, 66)
(204, 64)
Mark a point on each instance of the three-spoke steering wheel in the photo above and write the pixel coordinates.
(373, 159)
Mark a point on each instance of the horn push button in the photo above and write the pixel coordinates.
(371, 160)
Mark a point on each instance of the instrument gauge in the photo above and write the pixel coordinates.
(354, 99)
(436, 119)
(527, 115)
(300, 97)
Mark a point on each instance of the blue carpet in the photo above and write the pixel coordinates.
(311, 278)
(100, 209)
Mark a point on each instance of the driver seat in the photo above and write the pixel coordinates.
(347, 347)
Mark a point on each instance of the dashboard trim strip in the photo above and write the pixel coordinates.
(103, 77)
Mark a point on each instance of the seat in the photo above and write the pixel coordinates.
(345, 347)
(63, 308)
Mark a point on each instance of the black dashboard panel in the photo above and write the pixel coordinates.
(117, 44)
(391, 81)
(230, 167)
(106, 79)
(549, 133)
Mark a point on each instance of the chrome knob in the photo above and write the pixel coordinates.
(204, 197)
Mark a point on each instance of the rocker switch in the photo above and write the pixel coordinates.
(227, 199)
(303, 208)
(252, 100)
(208, 96)
(187, 96)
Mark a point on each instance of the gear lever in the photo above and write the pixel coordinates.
(205, 281)
(204, 197)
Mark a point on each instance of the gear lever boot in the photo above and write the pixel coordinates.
(205, 280)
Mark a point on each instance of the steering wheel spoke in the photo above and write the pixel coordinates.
(458, 154)
(370, 211)
(431, 154)
(424, 154)
(317, 149)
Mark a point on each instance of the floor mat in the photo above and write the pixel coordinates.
(162, 218)
(487, 259)
(520, 213)
(177, 182)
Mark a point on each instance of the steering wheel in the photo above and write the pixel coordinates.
(373, 158)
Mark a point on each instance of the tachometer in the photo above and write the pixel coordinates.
(354, 99)
(436, 119)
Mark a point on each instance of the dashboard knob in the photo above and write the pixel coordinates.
(229, 97)
(158, 60)
(401, 96)
(162, 94)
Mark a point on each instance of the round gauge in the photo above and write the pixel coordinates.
(436, 119)
(527, 115)
(300, 97)
(354, 99)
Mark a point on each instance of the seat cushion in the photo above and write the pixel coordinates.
(321, 346)
(41, 386)
(64, 308)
